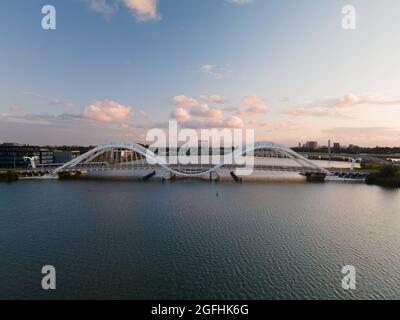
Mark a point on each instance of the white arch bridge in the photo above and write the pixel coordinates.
(136, 160)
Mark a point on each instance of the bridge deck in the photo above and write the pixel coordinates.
(197, 169)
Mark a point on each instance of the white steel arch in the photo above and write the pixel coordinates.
(159, 160)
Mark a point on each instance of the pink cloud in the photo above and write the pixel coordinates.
(231, 123)
(234, 122)
(254, 105)
(102, 7)
(205, 111)
(181, 114)
(106, 111)
(193, 115)
(274, 126)
(338, 107)
(184, 101)
(212, 99)
(143, 10)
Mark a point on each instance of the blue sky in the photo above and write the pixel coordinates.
(115, 68)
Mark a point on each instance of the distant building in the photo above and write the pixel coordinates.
(64, 156)
(12, 155)
(12, 144)
(312, 145)
(46, 156)
(352, 146)
(336, 145)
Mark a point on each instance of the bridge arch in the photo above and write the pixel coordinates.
(159, 160)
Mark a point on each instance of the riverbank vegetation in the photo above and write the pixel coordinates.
(8, 176)
(373, 166)
(387, 176)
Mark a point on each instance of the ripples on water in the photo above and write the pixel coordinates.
(124, 239)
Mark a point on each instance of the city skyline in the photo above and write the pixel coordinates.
(301, 144)
(114, 69)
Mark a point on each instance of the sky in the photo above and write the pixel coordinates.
(113, 69)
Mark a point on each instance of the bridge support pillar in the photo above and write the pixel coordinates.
(147, 177)
(214, 176)
(169, 176)
(315, 176)
(235, 177)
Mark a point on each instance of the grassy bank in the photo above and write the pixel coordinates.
(388, 176)
(8, 176)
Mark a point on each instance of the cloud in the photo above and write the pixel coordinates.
(181, 114)
(274, 126)
(212, 70)
(107, 8)
(240, 1)
(202, 123)
(184, 101)
(230, 123)
(234, 122)
(207, 68)
(230, 109)
(42, 119)
(142, 10)
(191, 114)
(49, 100)
(205, 111)
(366, 135)
(318, 112)
(255, 105)
(68, 129)
(59, 102)
(190, 107)
(145, 10)
(339, 107)
(213, 99)
(107, 111)
(34, 94)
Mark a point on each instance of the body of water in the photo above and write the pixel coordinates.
(198, 240)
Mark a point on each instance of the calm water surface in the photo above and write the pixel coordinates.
(178, 240)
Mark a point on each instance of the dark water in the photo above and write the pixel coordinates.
(124, 239)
